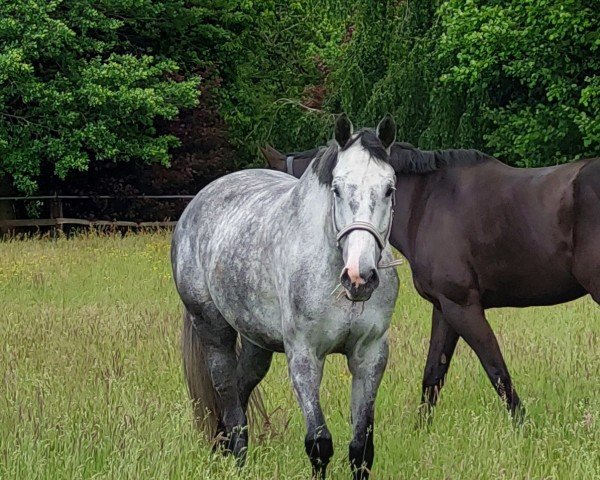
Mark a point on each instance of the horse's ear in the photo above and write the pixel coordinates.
(274, 158)
(386, 131)
(343, 130)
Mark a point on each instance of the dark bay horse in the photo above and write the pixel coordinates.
(479, 234)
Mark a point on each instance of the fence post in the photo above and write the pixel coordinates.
(7, 210)
(56, 211)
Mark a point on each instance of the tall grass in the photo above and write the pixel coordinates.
(91, 383)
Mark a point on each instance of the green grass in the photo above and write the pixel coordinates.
(91, 383)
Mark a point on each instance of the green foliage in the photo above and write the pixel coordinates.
(277, 91)
(518, 79)
(192, 33)
(85, 81)
(70, 92)
(533, 68)
(388, 65)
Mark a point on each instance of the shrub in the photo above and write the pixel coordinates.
(70, 95)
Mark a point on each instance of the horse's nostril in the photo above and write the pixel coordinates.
(345, 278)
(371, 276)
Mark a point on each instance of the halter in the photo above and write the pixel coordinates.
(382, 240)
(362, 225)
(289, 163)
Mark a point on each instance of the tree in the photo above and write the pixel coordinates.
(71, 93)
(527, 72)
(518, 79)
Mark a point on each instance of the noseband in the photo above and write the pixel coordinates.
(365, 226)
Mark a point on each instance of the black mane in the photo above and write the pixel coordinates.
(308, 154)
(406, 159)
(326, 159)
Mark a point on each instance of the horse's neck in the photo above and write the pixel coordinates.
(309, 207)
(300, 164)
(411, 197)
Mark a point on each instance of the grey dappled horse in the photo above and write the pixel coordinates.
(260, 254)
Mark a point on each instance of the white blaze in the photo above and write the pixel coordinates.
(357, 242)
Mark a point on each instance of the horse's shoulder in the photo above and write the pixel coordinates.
(590, 169)
(588, 178)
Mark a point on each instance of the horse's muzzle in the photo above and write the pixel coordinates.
(361, 289)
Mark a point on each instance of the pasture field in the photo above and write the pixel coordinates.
(92, 387)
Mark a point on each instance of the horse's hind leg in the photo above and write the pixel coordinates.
(470, 323)
(441, 348)
(253, 365)
(218, 341)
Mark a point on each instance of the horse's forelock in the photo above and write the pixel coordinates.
(326, 159)
(324, 163)
(370, 142)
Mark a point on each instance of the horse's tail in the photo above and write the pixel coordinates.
(200, 385)
(199, 382)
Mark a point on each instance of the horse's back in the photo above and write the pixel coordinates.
(233, 200)
(507, 232)
(230, 191)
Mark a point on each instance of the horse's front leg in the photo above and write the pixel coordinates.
(441, 348)
(367, 363)
(306, 371)
(470, 323)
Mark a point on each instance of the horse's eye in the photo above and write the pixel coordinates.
(389, 191)
(336, 191)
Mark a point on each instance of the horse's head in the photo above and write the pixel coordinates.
(362, 186)
(275, 160)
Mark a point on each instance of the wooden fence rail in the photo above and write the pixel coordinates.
(57, 220)
(99, 197)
